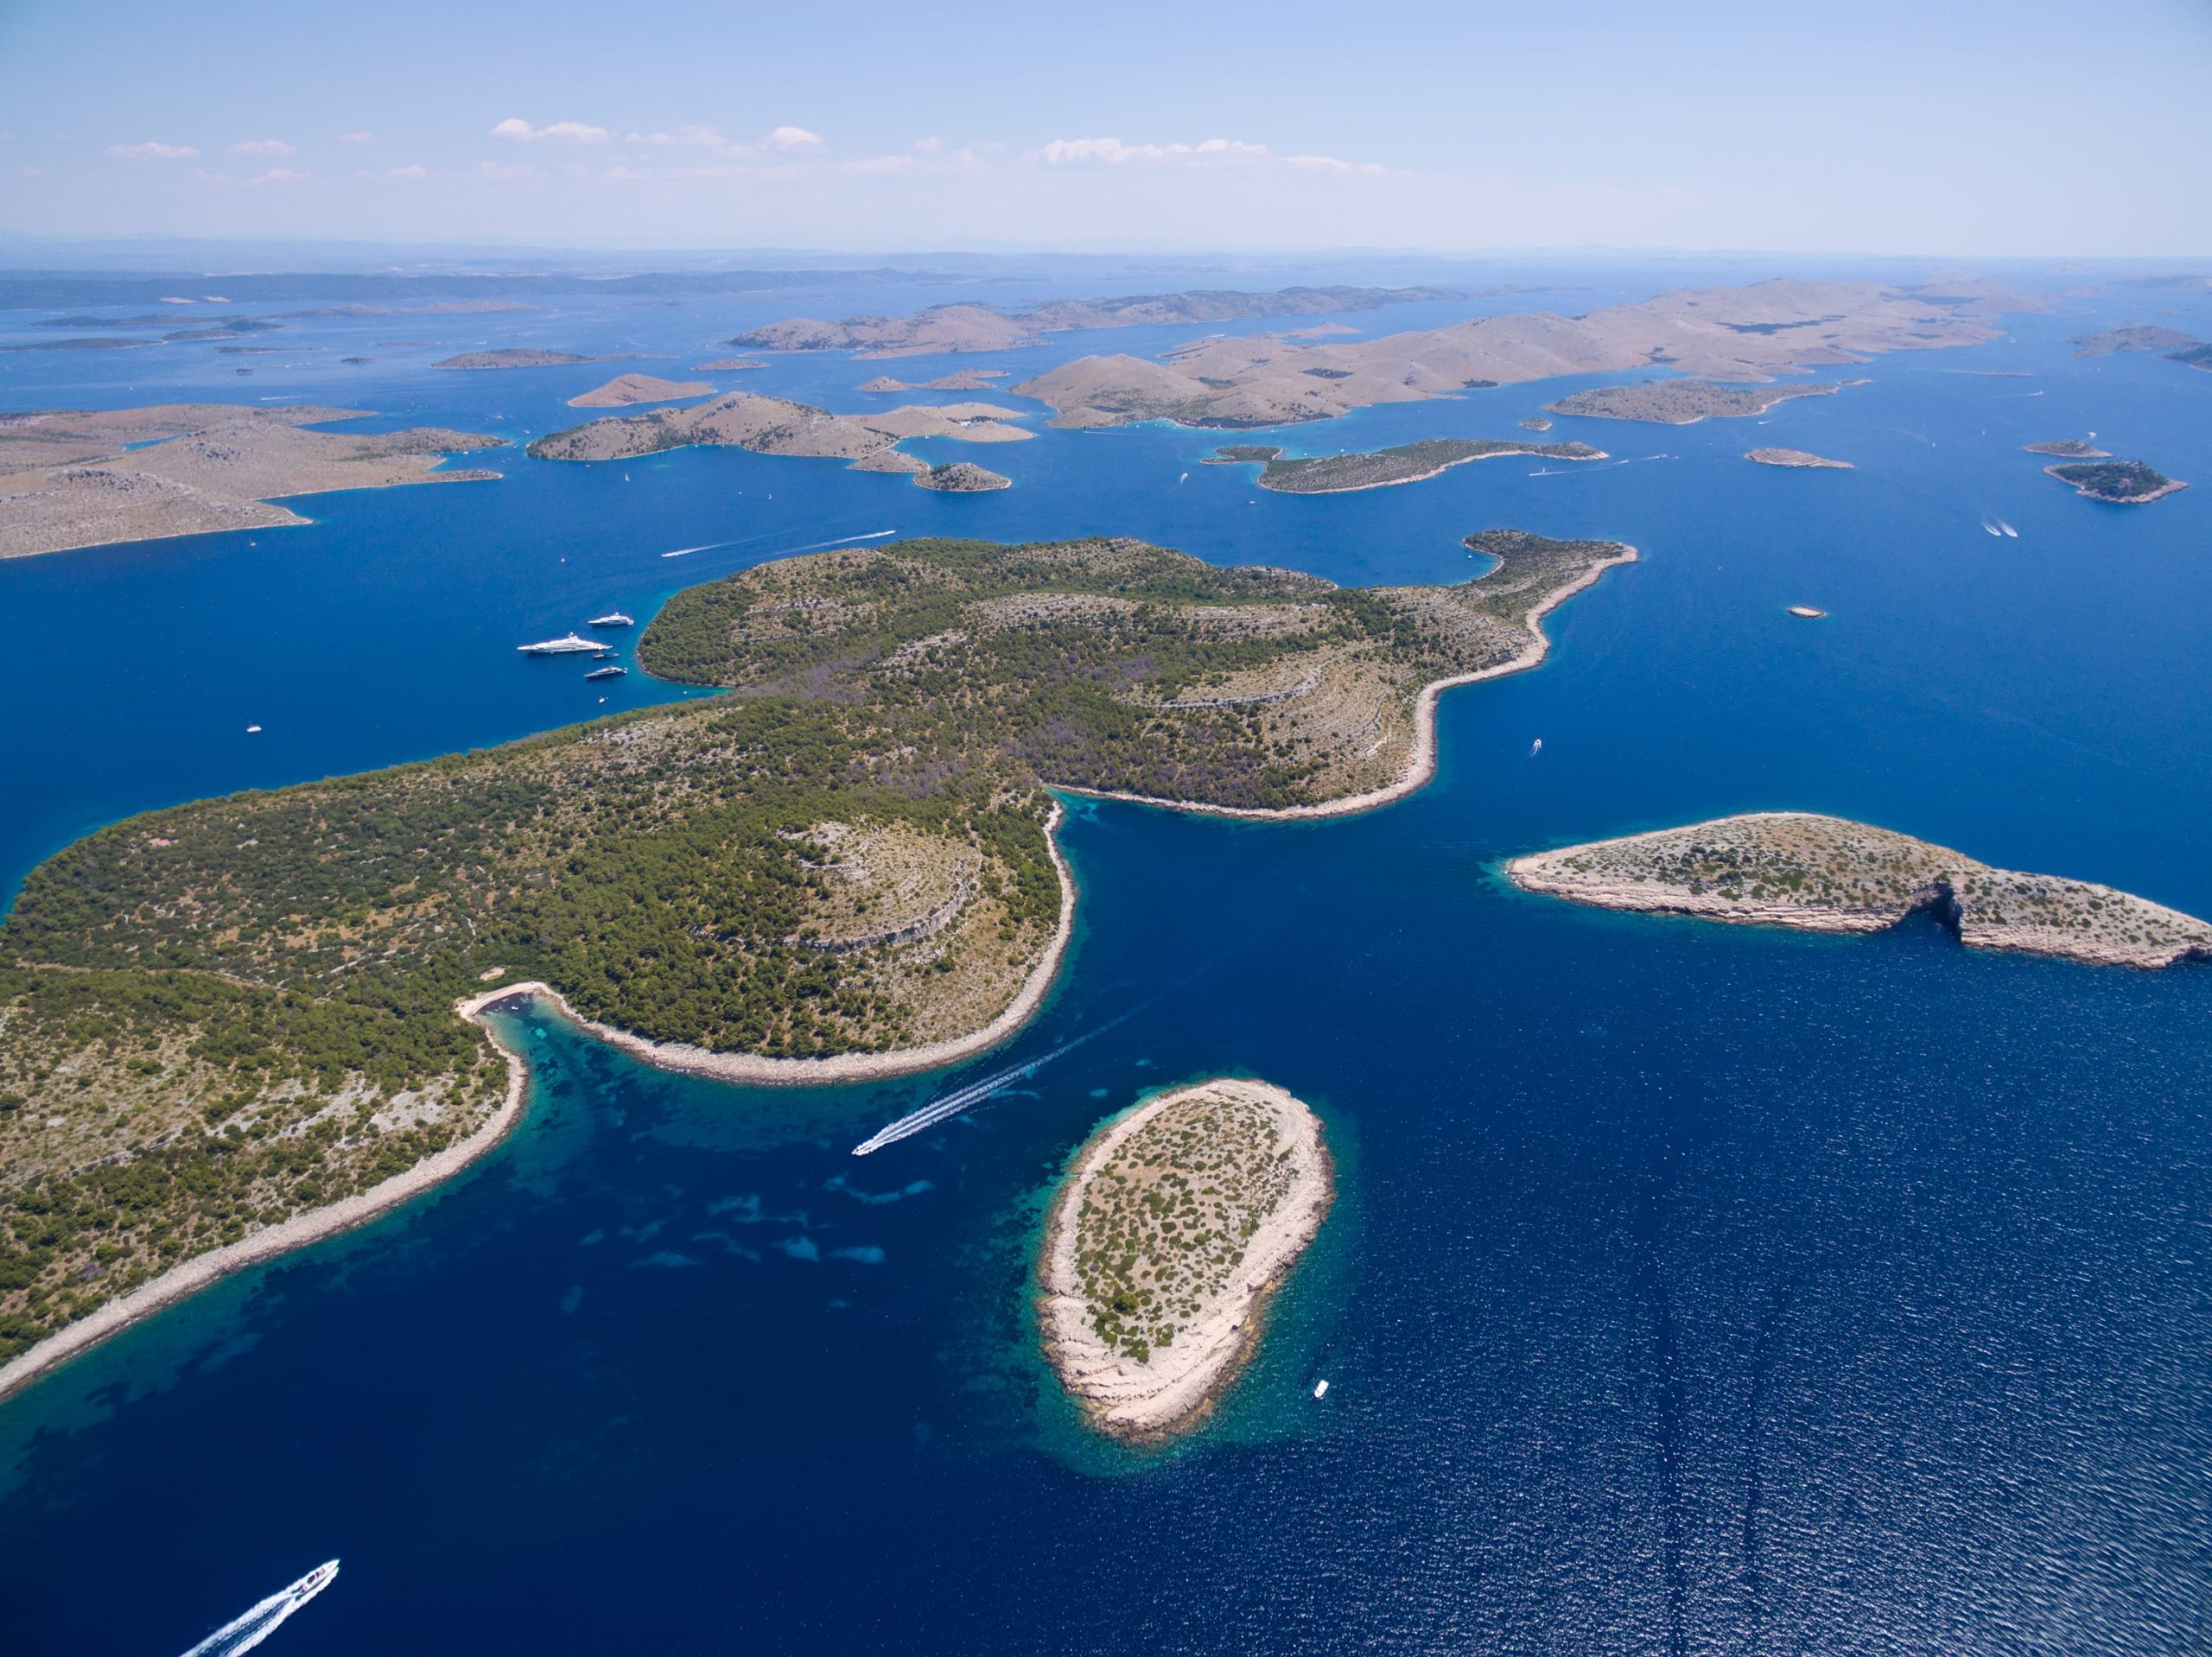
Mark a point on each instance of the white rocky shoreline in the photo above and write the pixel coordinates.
(1815, 873)
(204, 1271)
(1179, 1385)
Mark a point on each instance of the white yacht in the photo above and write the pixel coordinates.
(569, 646)
(613, 619)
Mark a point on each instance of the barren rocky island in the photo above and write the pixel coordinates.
(87, 479)
(1829, 874)
(1337, 475)
(1176, 1222)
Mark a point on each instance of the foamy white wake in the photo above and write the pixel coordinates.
(819, 546)
(975, 1092)
(244, 1633)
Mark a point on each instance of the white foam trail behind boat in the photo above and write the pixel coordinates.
(249, 1629)
(975, 1092)
(819, 546)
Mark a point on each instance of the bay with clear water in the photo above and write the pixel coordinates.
(1691, 1288)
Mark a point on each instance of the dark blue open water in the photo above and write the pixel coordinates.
(1691, 1290)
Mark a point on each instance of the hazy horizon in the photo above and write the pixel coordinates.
(1978, 131)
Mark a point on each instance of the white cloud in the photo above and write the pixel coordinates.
(716, 141)
(263, 147)
(689, 137)
(926, 144)
(1112, 152)
(151, 150)
(882, 164)
(356, 138)
(493, 170)
(411, 170)
(281, 175)
(559, 132)
(1331, 164)
(1213, 152)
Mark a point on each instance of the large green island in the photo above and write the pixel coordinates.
(1175, 1223)
(232, 1017)
(1829, 874)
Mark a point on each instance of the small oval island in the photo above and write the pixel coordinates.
(1176, 1222)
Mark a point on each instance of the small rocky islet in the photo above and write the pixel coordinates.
(1829, 874)
(1174, 1224)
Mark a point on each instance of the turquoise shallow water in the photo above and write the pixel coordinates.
(1692, 1289)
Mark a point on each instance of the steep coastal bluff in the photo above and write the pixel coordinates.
(1176, 1222)
(1829, 874)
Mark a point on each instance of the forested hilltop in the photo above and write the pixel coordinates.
(221, 1015)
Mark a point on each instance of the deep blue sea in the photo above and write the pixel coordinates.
(1692, 1289)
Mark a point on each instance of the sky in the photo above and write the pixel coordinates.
(1941, 127)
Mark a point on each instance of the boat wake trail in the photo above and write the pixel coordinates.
(959, 1099)
(251, 1628)
(817, 546)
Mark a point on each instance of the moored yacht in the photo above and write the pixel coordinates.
(569, 646)
(613, 619)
